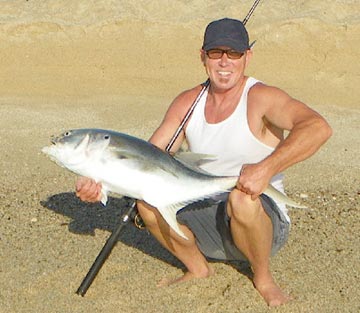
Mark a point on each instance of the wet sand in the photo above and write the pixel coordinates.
(118, 65)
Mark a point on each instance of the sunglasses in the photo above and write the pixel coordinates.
(218, 53)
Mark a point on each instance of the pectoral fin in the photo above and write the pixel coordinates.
(104, 196)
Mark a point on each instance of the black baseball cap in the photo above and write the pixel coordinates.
(226, 32)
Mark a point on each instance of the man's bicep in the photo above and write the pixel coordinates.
(284, 111)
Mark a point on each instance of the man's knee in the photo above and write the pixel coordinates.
(242, 208)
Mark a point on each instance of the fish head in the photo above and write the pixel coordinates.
(76, 147)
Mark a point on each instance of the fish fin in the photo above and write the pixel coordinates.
(169, 215)
(276, 195)
(194, 160)
(104, 196)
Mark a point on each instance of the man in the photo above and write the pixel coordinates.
(241, 121)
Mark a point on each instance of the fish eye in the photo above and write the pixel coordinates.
(68, 133)
(106, 137)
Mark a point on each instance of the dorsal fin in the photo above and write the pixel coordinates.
(194, 160)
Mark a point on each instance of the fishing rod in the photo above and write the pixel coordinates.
(251, 11)
(131, 211)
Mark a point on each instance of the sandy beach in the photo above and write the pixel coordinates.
(118, 65)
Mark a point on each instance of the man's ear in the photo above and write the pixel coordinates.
(249, 54)
(202, 56)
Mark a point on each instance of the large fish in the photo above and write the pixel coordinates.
(133, 167)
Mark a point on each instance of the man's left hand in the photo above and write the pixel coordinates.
(253, 180)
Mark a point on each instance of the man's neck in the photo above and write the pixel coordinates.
(220, 104)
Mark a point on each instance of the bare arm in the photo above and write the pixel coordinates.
(172, 120)
(308, 132)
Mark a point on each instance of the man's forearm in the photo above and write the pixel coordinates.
(301, 143)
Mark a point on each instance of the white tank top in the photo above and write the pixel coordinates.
(230, 140)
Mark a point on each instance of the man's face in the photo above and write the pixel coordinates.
(225, 70)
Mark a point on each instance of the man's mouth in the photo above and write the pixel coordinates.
(224, 73)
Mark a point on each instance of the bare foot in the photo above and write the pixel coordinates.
(187, 276)
(272, 294)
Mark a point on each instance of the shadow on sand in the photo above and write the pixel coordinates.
(86, 217)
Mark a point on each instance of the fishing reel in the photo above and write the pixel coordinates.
(138, 221)
(134, 215)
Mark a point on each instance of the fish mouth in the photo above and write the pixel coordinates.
(48, 150)
(54, 139)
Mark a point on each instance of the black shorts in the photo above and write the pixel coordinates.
(210, 224)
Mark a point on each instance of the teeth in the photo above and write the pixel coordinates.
(224, 73)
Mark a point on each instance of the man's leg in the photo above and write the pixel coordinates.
(185, 250)
(252, 233)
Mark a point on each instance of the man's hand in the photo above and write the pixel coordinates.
(253, 179)
(88, 190)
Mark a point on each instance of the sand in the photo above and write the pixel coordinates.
(117, 65)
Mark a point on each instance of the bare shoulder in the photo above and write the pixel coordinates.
(267, 96)
(277, 107)
(263, 100)
(182, 102)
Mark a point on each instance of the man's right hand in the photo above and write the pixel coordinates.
(88, 190)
